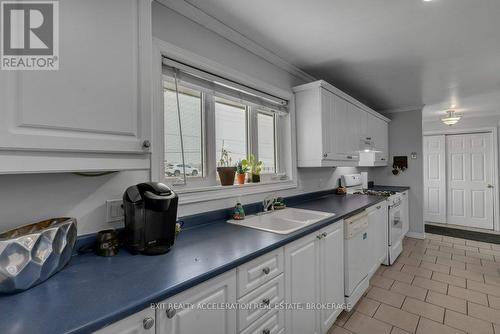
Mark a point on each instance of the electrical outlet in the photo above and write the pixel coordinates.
(114, 210)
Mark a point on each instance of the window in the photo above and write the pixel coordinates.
(216, 115)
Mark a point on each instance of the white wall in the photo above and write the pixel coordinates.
(28, 198)
(405, 136)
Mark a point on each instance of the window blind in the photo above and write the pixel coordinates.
(222, 87)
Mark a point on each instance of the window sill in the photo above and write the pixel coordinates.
(203, 194)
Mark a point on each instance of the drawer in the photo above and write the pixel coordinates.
(272, 323)
(259, 271)
(272, 292)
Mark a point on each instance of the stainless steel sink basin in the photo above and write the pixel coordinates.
(283, 221)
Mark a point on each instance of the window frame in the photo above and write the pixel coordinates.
(285, 134)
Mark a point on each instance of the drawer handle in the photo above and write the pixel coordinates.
(171, 313)
(266, 331)
(349, 157)
(266, 301)
(266, 270)
(148, 323)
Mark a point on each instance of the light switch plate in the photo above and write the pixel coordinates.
(114, 210)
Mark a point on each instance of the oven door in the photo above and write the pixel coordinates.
(395, 223)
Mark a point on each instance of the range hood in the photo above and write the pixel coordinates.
(369, 156)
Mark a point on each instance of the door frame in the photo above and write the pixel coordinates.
(494, 134)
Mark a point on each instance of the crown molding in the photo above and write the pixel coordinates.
(402, 109)
(195, 14)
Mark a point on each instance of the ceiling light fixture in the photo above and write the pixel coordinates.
(451, 118)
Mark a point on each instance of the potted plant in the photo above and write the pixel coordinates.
(241, 171)
(225, 169)
(255, 167)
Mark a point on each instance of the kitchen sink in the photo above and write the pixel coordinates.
(283, 221)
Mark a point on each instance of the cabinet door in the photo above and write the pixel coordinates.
(198, 319)
(302, 284)
(98, 100)
(331, 272)
(341, 136)
(380, 136)
(378, 232)
(139, 323)
(405, 212)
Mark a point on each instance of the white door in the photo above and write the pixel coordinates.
(301, 284)
(435, 179)
(139, 323)
(470, 178)
(219, 290)
(331, 268)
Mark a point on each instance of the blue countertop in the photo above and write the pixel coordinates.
(390, 188)
(94, 291)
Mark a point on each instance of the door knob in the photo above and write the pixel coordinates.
(148, 323)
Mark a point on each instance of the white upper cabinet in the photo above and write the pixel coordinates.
(99, 99)
(331, 126)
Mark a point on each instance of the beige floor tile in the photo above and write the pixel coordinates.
(484, 288)
(409, 290)
(436, 267)
(430, 284)
(449, 302)
(397, 317)
(495, 246)
(417, 271)
(481, 269)
(494, 302)
(465, 259)
(423, 309)
(398, 276)
(343, 317)
(445, 278)
(362, 324)
(451, 263)
(456, 241)
(465, 247)
(489, 251)
(438, 254)
(469, 324)
(367, 306)
(441, 243)
(414, 261)
(425, 257)
(467, 274)
(431, 236)
(396, 330)
(490, 264)
(426, 326)
(338, 330)
(493, 280)
(483, 312)
(380, 270)
(386, 296)
(478, 244)
(381, 282)
(451, 250)
(467, 294)
(479, 255)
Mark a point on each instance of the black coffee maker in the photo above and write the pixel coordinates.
(150, 218)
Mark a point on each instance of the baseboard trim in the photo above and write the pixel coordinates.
(463, 234)
(416, 235)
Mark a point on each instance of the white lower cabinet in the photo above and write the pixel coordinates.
(314, 275)
(139, 323)
(199, 319)
(378, 233)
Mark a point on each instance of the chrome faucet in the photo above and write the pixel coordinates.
(268, 203)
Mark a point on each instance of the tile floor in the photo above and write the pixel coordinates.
(438, 285)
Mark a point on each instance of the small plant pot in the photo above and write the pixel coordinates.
(226, 175)
(240, 178)
(255, 178)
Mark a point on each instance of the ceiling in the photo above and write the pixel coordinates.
(390, 55)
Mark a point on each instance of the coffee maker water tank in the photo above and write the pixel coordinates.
(150, 218)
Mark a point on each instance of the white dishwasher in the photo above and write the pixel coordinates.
(357, 259)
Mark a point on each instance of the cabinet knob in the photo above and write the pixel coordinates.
(266, 301)
(266, 331)
(146, 144)
(148, 323)
(171, 313)
(349, 157)
(324, 234)
(266, 270)
(378, 207)
(325, 155)
(319, 236)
